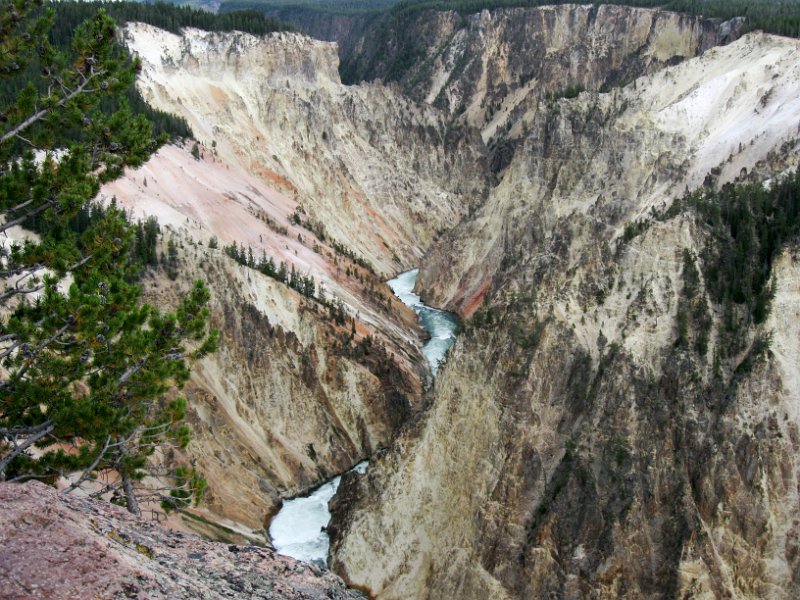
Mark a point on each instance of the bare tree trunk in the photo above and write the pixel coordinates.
(130, 495)
(88, 471)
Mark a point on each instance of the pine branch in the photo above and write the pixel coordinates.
(131, 372)
(31, 213)
(22, 447)
(38, 116)
(18, 290)
(88, 471)
(24, 430)
(17, 270)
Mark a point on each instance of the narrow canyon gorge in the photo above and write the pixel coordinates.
(516, 257)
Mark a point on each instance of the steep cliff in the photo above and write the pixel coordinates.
(589, 165)
(323, 178)
(577, 445)
(492, 65)
(495, 69)
(291, 398)
(375, 171)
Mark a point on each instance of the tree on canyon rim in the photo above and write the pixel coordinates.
(86, 369)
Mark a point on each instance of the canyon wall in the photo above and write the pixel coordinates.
(373, 170)
(297, 168)
(292, 397)
(589, 165)
(493, 64)
(574, 446)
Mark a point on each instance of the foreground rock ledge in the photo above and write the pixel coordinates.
(54, 546)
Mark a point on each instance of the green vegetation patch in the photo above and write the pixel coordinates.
(747, 226)
(90, 370)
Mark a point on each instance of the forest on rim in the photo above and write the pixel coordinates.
(781, 17)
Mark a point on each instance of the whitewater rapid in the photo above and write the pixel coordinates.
(298, 530)
(440, 325)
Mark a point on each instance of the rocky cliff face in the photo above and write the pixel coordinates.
(571, 447)
(574, 448)
(491, 66)
(289, 400)
(495, 70)
(589, 165)
(323, 178)
(378, 173)
(282, 406)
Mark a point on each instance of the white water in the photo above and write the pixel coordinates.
(298, 530)
(440, 325)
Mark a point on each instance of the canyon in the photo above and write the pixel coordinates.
(572, 450)
(292, 399)
(569, 446)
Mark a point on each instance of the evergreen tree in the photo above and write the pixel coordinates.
(85, 366)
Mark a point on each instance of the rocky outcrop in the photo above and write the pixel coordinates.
(380, 174)
(573, 447)
(66, 547)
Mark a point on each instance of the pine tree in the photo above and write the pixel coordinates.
(85, 366)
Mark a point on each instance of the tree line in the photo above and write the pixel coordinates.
(164, 15)
(305, 285)
(781, 17)
(340, 7)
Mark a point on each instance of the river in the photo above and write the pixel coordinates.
(298, 530)
(440, 325)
